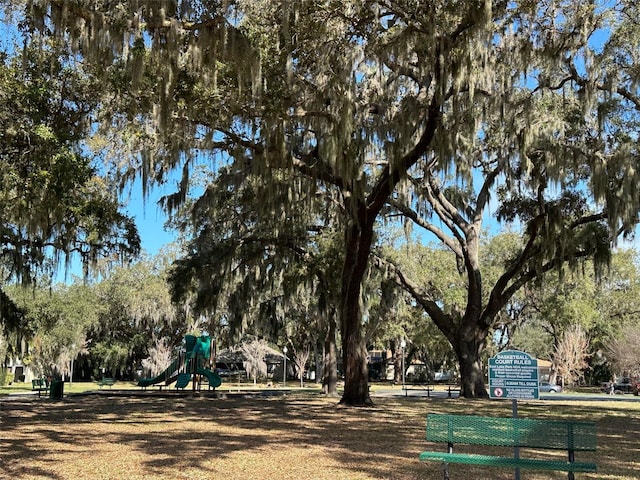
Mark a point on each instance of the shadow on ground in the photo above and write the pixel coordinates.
(245, 437)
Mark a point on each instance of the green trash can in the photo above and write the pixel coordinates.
(57, 389)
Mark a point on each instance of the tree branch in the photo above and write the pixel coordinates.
(430, 227)
(392, 272)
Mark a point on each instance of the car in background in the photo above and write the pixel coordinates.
(623, 385)
(546, 387)
(443, 376)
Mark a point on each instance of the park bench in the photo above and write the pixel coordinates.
(106, 382)
(40, 385)
(421, 387)
(511, 432)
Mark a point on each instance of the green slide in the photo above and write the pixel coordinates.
(183, 380)
(213, 378)
(170, 371)
(196, 349)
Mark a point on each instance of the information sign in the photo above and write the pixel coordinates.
(513, 375)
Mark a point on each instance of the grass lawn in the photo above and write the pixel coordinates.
(129, 435)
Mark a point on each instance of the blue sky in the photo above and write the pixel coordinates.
(150, 221)
(149, 218)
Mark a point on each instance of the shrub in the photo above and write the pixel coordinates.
(5, 376)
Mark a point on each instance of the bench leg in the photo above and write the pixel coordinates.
(570, 475)
(445, 471)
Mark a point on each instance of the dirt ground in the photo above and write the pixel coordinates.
(111, 436)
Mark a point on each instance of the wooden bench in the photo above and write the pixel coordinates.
(106, 381)
(40, 385)
(511, 432)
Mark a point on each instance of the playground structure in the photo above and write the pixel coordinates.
(189, 366)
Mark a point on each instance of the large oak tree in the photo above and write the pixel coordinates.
(559, 157)
(432, 110)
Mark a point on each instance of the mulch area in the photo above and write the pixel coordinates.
(112, 436)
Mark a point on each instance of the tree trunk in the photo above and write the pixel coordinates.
(471, 334)
(469, 348)
(330, 365)
(356, 381)
(317, 363)
(397, 363)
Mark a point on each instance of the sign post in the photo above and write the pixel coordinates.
(514, 375)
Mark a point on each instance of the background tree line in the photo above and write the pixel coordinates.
(126, 324)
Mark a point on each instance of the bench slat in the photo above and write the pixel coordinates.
(511, 432)
(494, 461)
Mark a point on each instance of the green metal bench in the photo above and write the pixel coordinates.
(40, 385)
(106, 382)
(511, 432)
